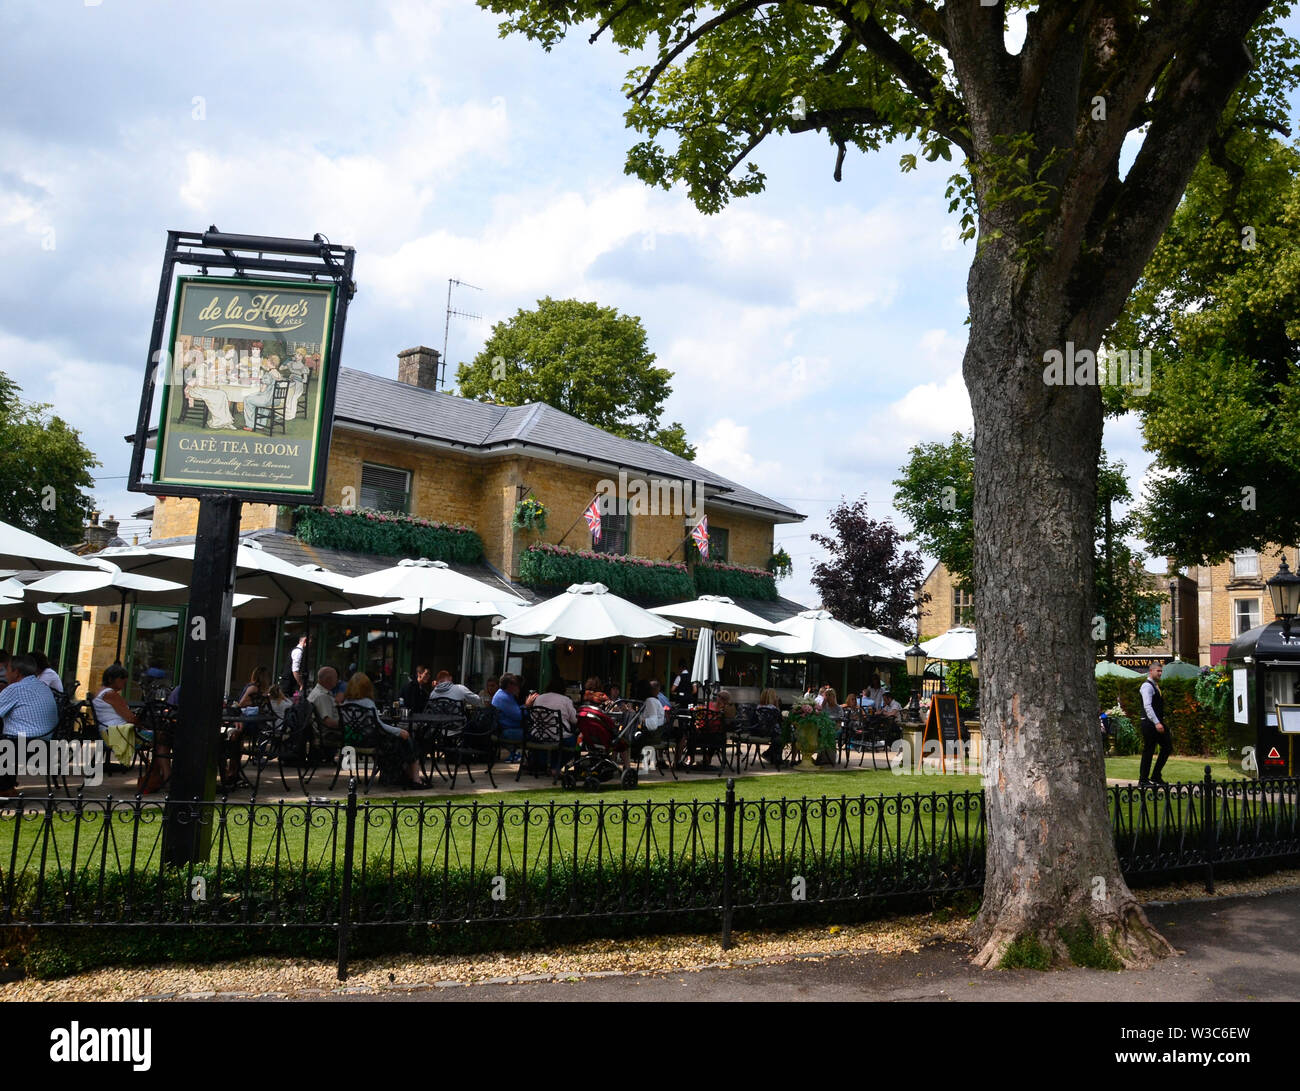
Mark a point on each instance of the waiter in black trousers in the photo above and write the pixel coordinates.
(1154, 731)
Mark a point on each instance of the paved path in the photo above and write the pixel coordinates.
(1233, 949)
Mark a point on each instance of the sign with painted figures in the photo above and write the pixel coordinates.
(244, 397)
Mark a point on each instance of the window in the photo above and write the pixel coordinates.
(1148, 629)
(719, 545)
(1247, 611)
(613, 529)
(963, 607)
(1245, 563)
(384, 488)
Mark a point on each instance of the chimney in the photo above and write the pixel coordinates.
(419, 367)
(96, 537)
(110, 527)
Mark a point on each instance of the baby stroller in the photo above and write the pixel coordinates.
(600, 740)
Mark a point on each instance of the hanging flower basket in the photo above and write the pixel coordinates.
(530, 514)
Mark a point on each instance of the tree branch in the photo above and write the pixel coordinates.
(1200, 83)
(644, 88)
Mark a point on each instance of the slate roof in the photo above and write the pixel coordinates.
(344, 562)
(388, 405)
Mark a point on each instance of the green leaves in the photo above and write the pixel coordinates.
(585, 359)
(1218, 304)
(45, 470)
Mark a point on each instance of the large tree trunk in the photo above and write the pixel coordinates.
(1051, 857)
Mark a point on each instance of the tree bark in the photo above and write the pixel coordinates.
(1051, 858)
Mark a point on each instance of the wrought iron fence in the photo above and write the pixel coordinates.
(352, 865)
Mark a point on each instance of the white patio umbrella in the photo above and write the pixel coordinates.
(426, 581)
(13, 604)
(956, 644)
(108, 585)
(709, 612)
(22, 551)
(894, 648)
(282, 587)
(588, 612)
(818, 632)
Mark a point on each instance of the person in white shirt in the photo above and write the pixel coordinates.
(652, 712)
(46, 674)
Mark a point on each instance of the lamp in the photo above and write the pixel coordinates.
(722, 658)
(975, 669)
(916, 657)
(1284, 590)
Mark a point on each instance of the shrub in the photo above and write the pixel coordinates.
(1026, 953)
(735, 581)
(1127, 739)
(555, 566)
(387, 533)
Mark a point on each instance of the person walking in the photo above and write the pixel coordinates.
(1154, 732)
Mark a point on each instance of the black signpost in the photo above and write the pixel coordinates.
(265, 288)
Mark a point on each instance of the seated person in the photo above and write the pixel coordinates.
(27, 705)
(653, 709)
(889, 707)
(250, 700)
(280, 704)
(556, 698)
(361, 694)
(490, 688)
(509, 712)
(115, 718)
(416, 694)
(770, 725)
(445, 687)
(593, 694)
(323, 700)
(46, 673)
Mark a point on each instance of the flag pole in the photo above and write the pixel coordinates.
(579, 519)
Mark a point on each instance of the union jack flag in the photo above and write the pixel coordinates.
(592, 515)
(700, 536)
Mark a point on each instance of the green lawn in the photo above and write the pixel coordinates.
(544, 826)
(1177, 770)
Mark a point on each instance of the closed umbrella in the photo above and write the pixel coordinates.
(704, 668)
(22, 551)
(709, 612)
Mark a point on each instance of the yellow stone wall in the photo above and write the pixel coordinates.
(1219, 591)
(936, 614)
(481, 493)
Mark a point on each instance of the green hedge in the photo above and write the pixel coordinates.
(734, 581)
(635, 577)
(385, 533)
(1197, 731)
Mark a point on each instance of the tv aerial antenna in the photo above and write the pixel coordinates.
(452, 282)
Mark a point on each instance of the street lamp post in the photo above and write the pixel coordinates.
(1284, 590)
(916, 657)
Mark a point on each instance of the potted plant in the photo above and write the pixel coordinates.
(530, 514)
(814, 731)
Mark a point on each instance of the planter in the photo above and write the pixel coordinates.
(805, 733)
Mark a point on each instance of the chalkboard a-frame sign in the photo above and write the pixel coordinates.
(944, 725)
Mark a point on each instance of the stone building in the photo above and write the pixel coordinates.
(400, 445)
(1232, 598)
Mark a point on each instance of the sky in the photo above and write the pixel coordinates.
(815, 331)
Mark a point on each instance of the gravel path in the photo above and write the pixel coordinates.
(300, 978)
